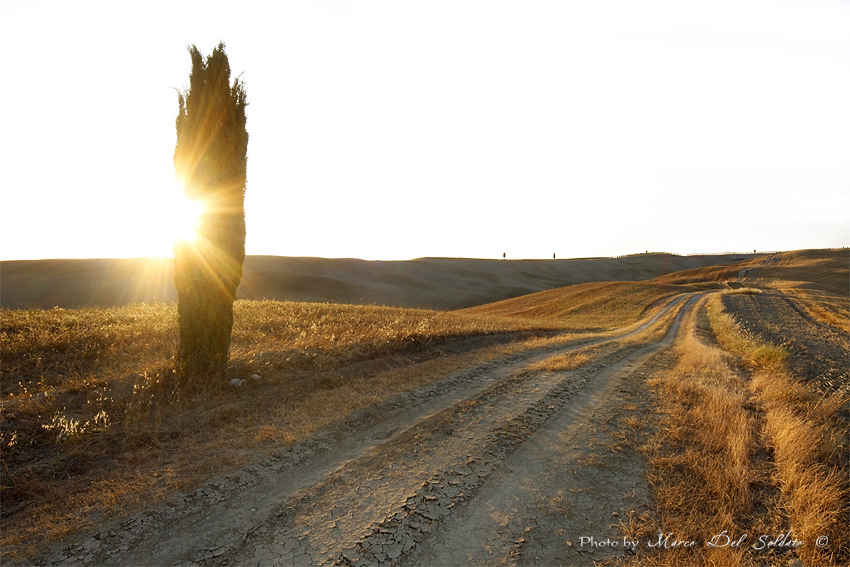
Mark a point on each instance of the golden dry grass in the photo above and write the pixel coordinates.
(704, 276)
(744, 290)
(700, 466)
(828, 314)
(744, 447)
(822, 271)
(807, 436)
(628, 335)
(563, 361)
(592, 306)
(813, 270)
(823, 307)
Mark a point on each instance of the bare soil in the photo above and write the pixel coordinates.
(495, 465)
(818, 352)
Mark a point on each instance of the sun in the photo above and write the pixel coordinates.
(185, 216)
(189, 214)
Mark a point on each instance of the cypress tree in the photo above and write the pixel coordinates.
(210, 160)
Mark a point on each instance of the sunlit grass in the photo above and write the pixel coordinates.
(562, 362)
(700, 466)
(823, 307)
(743, 291)
(745, 447)
(808, 439)
(586, 306)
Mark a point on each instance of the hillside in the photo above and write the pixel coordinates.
(587, 306)
(826, 270)
(435, 283)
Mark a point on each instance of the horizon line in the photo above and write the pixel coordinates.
(645, 253)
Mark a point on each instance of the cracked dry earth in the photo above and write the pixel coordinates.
(495, 465)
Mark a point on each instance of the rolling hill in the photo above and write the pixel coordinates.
(822, 270)
(435, 283)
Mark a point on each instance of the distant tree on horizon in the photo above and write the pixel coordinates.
(210, 160)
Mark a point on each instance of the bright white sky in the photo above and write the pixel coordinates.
(394, 130)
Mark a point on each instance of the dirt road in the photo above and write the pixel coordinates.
(496, 465)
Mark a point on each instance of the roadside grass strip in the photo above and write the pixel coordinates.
(807, 435)
(746, 461)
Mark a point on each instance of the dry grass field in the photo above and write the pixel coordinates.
(93, 427)
(590, 306)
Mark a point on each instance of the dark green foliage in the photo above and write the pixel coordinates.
(210, 159)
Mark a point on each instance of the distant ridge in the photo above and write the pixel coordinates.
(434, 283)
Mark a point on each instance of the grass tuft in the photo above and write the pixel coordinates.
(562, 362)
(743, 290)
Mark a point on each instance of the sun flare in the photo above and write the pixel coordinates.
(188, 219)
(186, 216)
